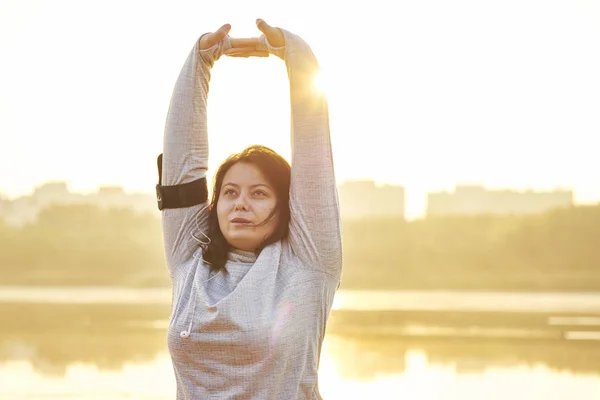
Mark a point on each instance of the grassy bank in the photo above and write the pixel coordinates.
(556, 251)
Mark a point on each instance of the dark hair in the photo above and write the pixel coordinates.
(277, 171)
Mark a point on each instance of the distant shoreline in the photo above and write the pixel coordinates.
(362, 288)
(358, 300)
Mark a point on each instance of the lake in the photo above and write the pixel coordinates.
(109, 343)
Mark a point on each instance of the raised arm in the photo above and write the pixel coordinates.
(185, 147)
(315, 227)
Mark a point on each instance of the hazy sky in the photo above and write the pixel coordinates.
(422, 93)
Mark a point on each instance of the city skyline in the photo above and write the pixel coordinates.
(358, 199)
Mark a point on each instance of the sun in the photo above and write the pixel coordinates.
(321, 83)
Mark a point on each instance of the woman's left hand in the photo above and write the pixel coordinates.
(273, 34)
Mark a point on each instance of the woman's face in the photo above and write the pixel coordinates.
(246, 200)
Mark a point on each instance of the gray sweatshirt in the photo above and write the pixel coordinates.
(256, 331)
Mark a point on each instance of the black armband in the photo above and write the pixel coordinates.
(182, 195)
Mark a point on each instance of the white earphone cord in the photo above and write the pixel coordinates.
(186, 333)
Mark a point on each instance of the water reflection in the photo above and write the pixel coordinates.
(52, 336)
(377, 356)
(66, 349)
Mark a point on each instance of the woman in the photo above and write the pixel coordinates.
(255, 271)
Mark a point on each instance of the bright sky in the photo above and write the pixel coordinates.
(424, 93)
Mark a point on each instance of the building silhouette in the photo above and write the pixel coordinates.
(24, 209)
(359, 199)
(474, 199)
(364, 199)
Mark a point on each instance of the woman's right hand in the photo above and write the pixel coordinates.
(210, 39)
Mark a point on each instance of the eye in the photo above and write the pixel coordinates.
(260, 193)
(229, 192)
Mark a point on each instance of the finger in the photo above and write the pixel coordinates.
(235, 50)
(264, 27)
(273, 34)
(246, 53)
(245, 42)
(218, 35)
(258, 53)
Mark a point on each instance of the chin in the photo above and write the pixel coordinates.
(243, 241)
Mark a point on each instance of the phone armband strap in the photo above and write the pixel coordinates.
(182, 195)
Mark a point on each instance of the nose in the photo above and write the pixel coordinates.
(240, 204)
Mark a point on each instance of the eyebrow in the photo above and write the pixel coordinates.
(251, 186)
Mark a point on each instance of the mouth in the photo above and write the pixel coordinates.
(240, 221)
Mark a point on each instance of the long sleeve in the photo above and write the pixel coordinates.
(185, 152)
(315, 226)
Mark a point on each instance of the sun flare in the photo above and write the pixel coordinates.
(321, 83)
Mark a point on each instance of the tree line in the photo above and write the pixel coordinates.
(558, 250)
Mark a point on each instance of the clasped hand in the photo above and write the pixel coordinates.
(245, 47)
